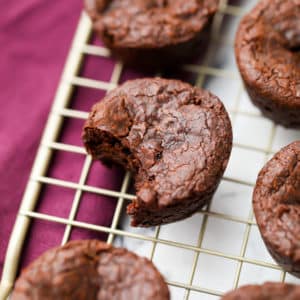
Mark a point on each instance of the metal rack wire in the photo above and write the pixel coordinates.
(60, 109)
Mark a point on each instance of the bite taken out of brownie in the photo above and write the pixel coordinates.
(175, 138)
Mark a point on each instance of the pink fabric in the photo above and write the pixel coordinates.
(35, 36)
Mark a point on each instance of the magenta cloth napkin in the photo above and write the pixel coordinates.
(35, 37)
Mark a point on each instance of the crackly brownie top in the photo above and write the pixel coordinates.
(267, 291)
(90, 270)
(276, 201)
(268, 50)
(149, 23)
(178, 137)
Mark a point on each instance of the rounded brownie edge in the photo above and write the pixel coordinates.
(151, 34)
(276, 203)
(268, 290)
(90, 270)
(267, 53)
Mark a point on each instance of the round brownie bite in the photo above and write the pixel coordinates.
(90, 270)
(266, 291)
(276, 203)
(175, 138)
(152, 33)
(267, 50)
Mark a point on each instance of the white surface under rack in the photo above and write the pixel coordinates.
(218, 248)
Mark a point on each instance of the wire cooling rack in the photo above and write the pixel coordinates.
(218, 248)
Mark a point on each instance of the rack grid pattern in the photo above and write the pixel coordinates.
(60, 110)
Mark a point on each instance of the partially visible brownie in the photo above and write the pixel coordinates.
(276, 203)
(267, 291)
(268, 55)
(90, 270)
(175, 138)
(149, 33)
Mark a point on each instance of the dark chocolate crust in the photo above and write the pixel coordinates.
(153, 33)
(267, 50)
(267, 291)
(276, 203)
(90, 270)
(176, 139)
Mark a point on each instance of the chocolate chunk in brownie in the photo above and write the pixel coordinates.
(175, 138)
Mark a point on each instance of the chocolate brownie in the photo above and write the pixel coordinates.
(267, 291)
(90, 270)
(268, 55)
(276, 203)
(149, 33)
(175, 138)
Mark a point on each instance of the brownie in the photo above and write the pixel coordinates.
(276, 203)
(267, 50)
(175, 138)
(152, 33)
(267, 291)
(90, 270)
